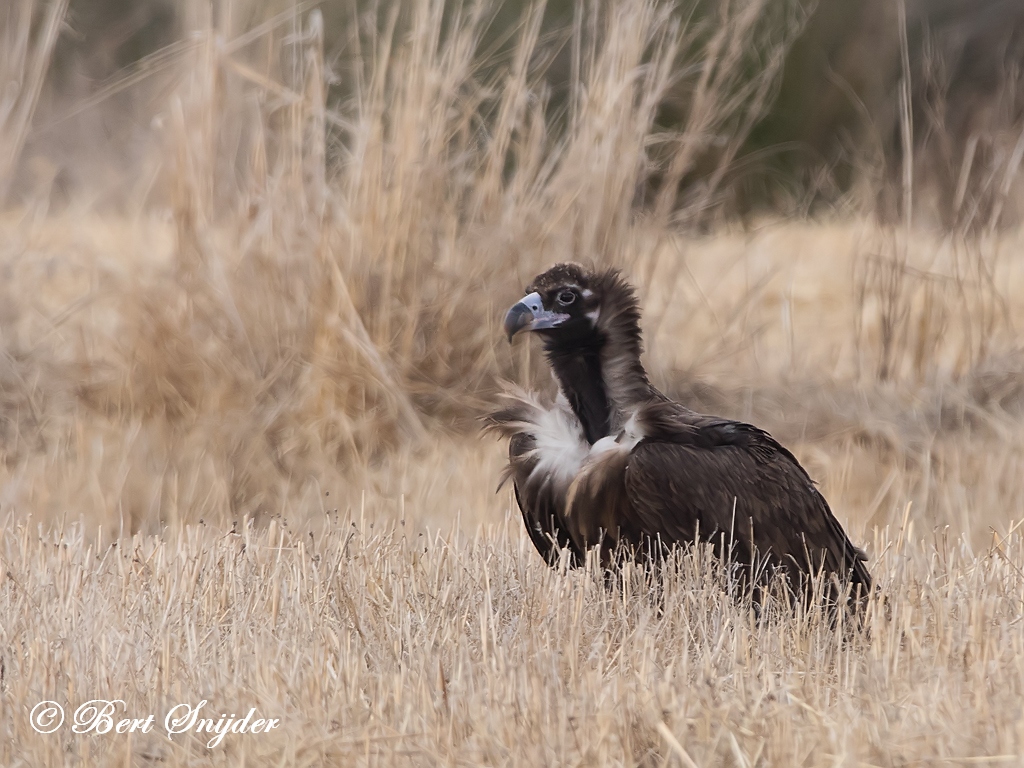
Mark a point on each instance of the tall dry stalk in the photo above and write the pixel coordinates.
(934, 316)
(28, 33)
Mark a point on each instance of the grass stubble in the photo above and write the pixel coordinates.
(236, 418)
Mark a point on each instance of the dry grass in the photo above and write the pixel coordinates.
(375, 645)
(239, 459)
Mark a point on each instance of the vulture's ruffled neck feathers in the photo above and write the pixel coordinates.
(601, 376)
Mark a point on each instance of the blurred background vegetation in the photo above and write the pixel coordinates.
(254, 249)
(830, 131)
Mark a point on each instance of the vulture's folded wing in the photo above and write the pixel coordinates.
(540, 501)
(731, 483)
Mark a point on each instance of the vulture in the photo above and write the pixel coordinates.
(614, 464)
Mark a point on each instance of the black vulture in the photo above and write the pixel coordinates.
(615, 464)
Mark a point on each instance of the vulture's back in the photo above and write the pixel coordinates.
(700, 478)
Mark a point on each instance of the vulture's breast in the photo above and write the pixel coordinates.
(583, 483)
(560, 449)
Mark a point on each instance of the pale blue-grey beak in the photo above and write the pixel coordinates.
(529, 315)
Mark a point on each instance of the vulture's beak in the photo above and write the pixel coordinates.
(530, 315)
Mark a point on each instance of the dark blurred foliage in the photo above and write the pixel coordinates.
(837, 112)
(105, 36)
(834, 123)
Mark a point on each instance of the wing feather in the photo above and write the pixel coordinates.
(540, 501)
(709, 479)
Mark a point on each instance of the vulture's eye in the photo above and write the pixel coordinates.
(565, 298)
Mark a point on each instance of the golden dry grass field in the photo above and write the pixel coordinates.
(239, 450)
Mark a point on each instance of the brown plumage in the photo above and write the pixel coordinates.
(615, 464)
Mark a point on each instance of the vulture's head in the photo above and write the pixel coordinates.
(571, 305)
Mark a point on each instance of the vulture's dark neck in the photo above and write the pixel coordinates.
(578, 370)
(601, 375)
